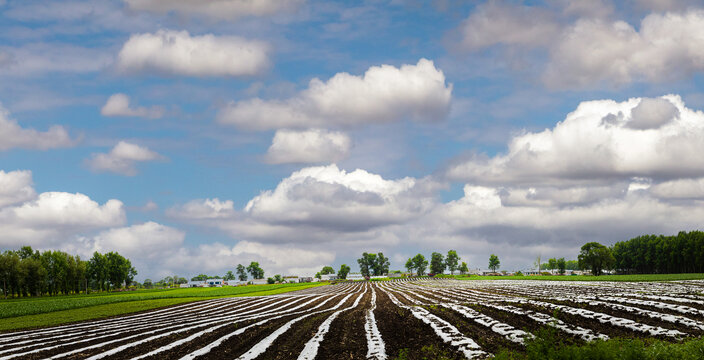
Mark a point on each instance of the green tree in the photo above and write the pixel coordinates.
(148, 283)
(229, 276)
(381, 265)
(437, 263)
(327, 270)
(596, 257)
(494, 262)
(552, 264)
(463, 268)
(410, 265)
(344, 270)
(452, 260)
(366, 263)
(270, 281)
(420, 264)
(278, 278)
(318, 275)
(98, 270)
(200, 277)
(256, 271)
(241, 272)
(561, 265)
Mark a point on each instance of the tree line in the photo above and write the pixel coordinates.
(26, 272)
(438, 263)
(659, 254)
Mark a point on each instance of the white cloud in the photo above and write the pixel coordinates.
(177, 52)
(149, 240)
(597, 143)
(122, 159)
(219, 9)
(679, 189)
(316, 203)
(383, 94)
(15, 187)
(119, 105)
(595, 51)
(14, 136)
(203, 209)
(53, 218)
(494, 23)
(667, 5)
(309, 146)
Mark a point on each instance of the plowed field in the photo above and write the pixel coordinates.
(413, 318)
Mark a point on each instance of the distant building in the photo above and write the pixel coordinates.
(214, 282)
(290, 279)
(305, 279)
(328, 277)
(258, 281)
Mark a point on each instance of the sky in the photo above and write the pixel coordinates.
(192, 136)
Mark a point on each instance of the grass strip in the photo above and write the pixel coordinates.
(107, 310)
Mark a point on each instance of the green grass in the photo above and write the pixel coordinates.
(626, 278)
(47, 311)
(548, 346)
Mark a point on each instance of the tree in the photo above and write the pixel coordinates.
(270, 281)
(437, 263)
(366, 263)
(200, 277)
(148, 283)
(241, 272)
(278, 278)
(327, 270)
(596, 257)
(229, 276)
(98, 270)
(420, 264)
(552, 264)
(463, 268)
(561, 265)
(451, 260)
(410, 265)
(317, 275)
(494, 262)
(256, 271)
(381, 265)
(344, 270)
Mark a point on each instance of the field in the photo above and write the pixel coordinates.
(411, 319)
(46, 311)
(634, 278)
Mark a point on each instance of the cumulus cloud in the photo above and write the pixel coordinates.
(122, 159)
(12, 135)
(149, 240)
(314, 203)
(119, 105)
(495, 23)
(179, 53)
(383, 94)
(309, 146)
(595, 51)
(54, 217)
(219, 9)
(15, 187)
(598, 142)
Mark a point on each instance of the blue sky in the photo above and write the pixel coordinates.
(195, 135)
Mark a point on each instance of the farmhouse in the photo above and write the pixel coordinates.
(214, 282)
(305, 279)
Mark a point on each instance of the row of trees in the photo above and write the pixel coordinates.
(649, 254)
(26, 272)
(438, 263)
(241, 272)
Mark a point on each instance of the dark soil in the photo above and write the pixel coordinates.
(347, 337)
(404, 335)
